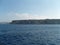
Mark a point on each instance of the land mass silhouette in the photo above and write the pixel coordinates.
(40, 21)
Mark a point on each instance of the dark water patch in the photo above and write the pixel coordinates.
(29, 35)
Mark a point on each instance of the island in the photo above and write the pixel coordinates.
(41, 21)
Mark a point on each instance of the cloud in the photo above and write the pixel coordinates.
(29, 16)
(23, 16)
(50, 14)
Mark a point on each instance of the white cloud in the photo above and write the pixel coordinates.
(24, 16)
(50, 14)
(29, 16)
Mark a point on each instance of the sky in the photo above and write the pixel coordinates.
(29, 9)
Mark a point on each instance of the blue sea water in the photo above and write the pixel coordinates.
(13, 34)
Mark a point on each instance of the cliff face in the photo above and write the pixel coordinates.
(47, 21)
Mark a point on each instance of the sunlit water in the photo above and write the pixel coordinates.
(11, 34)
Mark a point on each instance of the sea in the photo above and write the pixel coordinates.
(29, 34)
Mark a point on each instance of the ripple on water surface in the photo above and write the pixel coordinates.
(32, 35)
